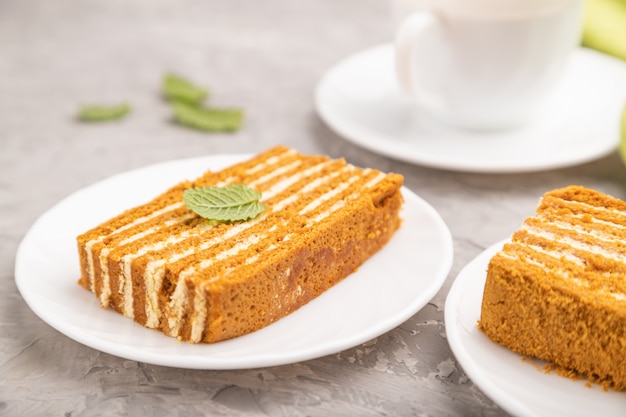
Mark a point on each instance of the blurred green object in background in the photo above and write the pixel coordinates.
(622, 143)
(605, 26)
(605, 30)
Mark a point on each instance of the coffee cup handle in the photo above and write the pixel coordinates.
(409, 34)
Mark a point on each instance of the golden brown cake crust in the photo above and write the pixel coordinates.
(166, 268)
(556, 290)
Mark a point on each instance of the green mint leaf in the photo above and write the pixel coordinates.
(207, 119)
(230, 203)
(176, 87)
(100, 113)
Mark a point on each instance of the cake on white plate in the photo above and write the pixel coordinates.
(205, 280)
(557, 289)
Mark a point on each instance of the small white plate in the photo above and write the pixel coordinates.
(386, 291)
(360, 100)
(521, 387)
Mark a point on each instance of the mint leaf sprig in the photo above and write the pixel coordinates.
(101, 113)
(187, 104)
(231, 203)
(178, 88)
(208, 119)
(186, 101)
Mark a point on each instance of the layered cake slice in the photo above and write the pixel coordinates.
(557, 290)
(203, 280)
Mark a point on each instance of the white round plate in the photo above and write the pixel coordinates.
(521, 387)
(387, 290)
(360, 100)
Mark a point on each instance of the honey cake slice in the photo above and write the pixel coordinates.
(167, 268)
(557, 290)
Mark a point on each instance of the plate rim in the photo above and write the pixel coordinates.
(70, 330)
(499, 396)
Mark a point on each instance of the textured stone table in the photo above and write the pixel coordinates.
(267, 57)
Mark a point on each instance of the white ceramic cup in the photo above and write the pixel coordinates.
(484, 64)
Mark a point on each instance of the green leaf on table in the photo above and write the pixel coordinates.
(208, 119)
(230, 203)
(178, 88)
(101, 113)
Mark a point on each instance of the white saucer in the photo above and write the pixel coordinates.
(360, 100)
(521, 387)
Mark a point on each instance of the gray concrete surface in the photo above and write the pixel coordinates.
(266, 57)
